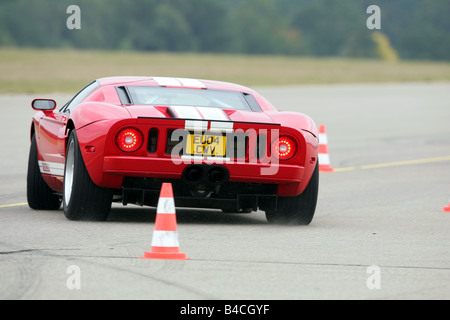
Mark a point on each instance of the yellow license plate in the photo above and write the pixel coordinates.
(206, 145)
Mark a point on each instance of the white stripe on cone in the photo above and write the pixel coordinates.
(165, 238)
(324, 159)
(323, 139)
(166, 206)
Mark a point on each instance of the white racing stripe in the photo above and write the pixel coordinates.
(186, 112)
(53, 168)
(191, 83)
(179, 82)
(196, 125)
(167, 82)
(221, 126)
(213, 113)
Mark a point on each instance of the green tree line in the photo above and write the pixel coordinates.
(410, 29)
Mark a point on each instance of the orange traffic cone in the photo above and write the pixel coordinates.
(324, 157)
(165, 236)
(447, 209)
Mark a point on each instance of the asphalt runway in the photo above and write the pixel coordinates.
(379, 231)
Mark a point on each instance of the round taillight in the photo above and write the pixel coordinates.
(283, 148)
(129, 139)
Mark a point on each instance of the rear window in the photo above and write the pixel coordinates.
(163, 96)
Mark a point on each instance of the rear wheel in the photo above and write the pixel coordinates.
(39, 194)
(297, 210)
(82, 198)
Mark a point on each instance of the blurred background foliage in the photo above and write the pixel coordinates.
(410, 29)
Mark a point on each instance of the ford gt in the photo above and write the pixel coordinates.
(221, 145)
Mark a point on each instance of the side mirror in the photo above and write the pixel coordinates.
(43, 104)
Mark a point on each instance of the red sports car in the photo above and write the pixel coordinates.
(221, 145)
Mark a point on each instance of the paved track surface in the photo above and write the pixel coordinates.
(379, 230)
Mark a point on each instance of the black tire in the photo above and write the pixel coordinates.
(82, 198)
(297, 210)
(39, 195)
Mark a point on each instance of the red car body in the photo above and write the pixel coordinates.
(133, 163)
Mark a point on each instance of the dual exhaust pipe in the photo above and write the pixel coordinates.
(205, 174)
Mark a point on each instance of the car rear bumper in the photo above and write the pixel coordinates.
(169, 169)
(204, 184)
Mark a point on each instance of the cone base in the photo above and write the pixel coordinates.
(325, 168)
(165, 255)
(446, 209)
